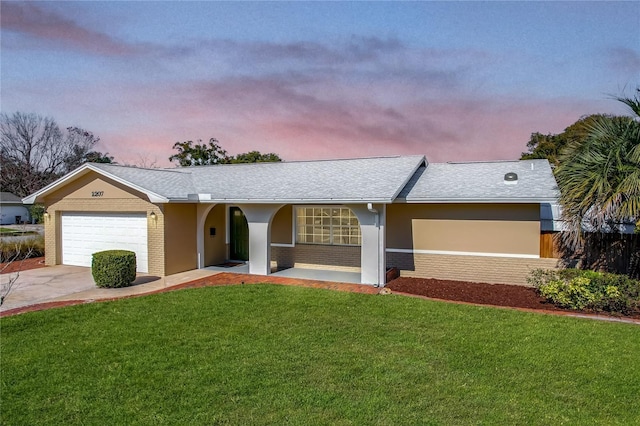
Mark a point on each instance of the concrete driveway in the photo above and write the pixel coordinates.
(56, 283)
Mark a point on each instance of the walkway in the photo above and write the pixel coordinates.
(58, 283)
(191, 279)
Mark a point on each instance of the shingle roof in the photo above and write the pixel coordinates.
(8, 197)
(169, 183)
(361, 179)
(482, 181)
(379, 179)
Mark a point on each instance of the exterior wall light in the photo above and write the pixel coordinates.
(46, 214)
(153, 216)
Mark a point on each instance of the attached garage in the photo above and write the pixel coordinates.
(83, 234)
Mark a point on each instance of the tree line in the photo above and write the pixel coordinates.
(35, 151)
(211, 153)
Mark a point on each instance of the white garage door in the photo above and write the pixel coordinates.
(86, 233)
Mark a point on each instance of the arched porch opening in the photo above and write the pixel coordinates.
(212, 235)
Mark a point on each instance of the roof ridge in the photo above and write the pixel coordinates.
(310, 161)
(490, 161)
(152, 169)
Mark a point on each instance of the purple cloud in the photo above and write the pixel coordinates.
(36, 22)
(624, 59)
(353, 50)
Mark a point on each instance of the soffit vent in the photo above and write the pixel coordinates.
(510, 178)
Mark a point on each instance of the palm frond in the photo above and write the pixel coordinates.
(599, 176)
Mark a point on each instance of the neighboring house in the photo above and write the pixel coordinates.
(471, 221)
(12, 210)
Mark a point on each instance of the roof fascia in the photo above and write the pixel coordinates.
(285, 201)
(480, 200)
(81, 171)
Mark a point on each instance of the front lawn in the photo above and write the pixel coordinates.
(266, 354)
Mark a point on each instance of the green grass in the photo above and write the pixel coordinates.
(268, 354)
(8, 231)
(12, 232)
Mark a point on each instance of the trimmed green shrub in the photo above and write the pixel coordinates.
(574, 294)
(113, 268)
(586, 289)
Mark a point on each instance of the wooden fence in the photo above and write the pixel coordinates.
(548, 245)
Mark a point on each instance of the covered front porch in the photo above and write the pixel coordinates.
(261, 239)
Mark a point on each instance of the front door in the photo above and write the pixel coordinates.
(239, 235)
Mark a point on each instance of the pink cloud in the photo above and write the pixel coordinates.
(270, 116)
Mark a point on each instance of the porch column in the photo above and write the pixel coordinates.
(202, 211)
(259, 220)
(372, 220)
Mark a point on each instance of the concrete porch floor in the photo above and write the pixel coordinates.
(320, 275)
(301, 273)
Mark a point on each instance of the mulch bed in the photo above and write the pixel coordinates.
(22, 265)
(512, 296)
(481, 293)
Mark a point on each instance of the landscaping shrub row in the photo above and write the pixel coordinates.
(584, 289)
(21, 249)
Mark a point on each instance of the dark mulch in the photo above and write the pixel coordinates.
(481, 293)
(513, 296)
(22, 265)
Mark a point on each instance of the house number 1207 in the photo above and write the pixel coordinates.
(97, 193)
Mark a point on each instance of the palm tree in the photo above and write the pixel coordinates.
(599, 176)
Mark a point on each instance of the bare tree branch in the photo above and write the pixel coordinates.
(34, 151)
(8, 281)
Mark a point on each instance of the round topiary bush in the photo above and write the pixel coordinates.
(113, 268)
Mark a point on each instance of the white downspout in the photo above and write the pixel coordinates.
(374, 211)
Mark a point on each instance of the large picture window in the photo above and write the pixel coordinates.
(327, 225)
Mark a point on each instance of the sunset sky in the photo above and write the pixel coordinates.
(455, 81)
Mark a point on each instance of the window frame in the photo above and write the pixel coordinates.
(332, 235)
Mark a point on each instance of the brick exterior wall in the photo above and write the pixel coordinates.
(155, 229)
(495, 270)
(334, 258)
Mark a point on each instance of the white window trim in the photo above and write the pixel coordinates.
(321, 206)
